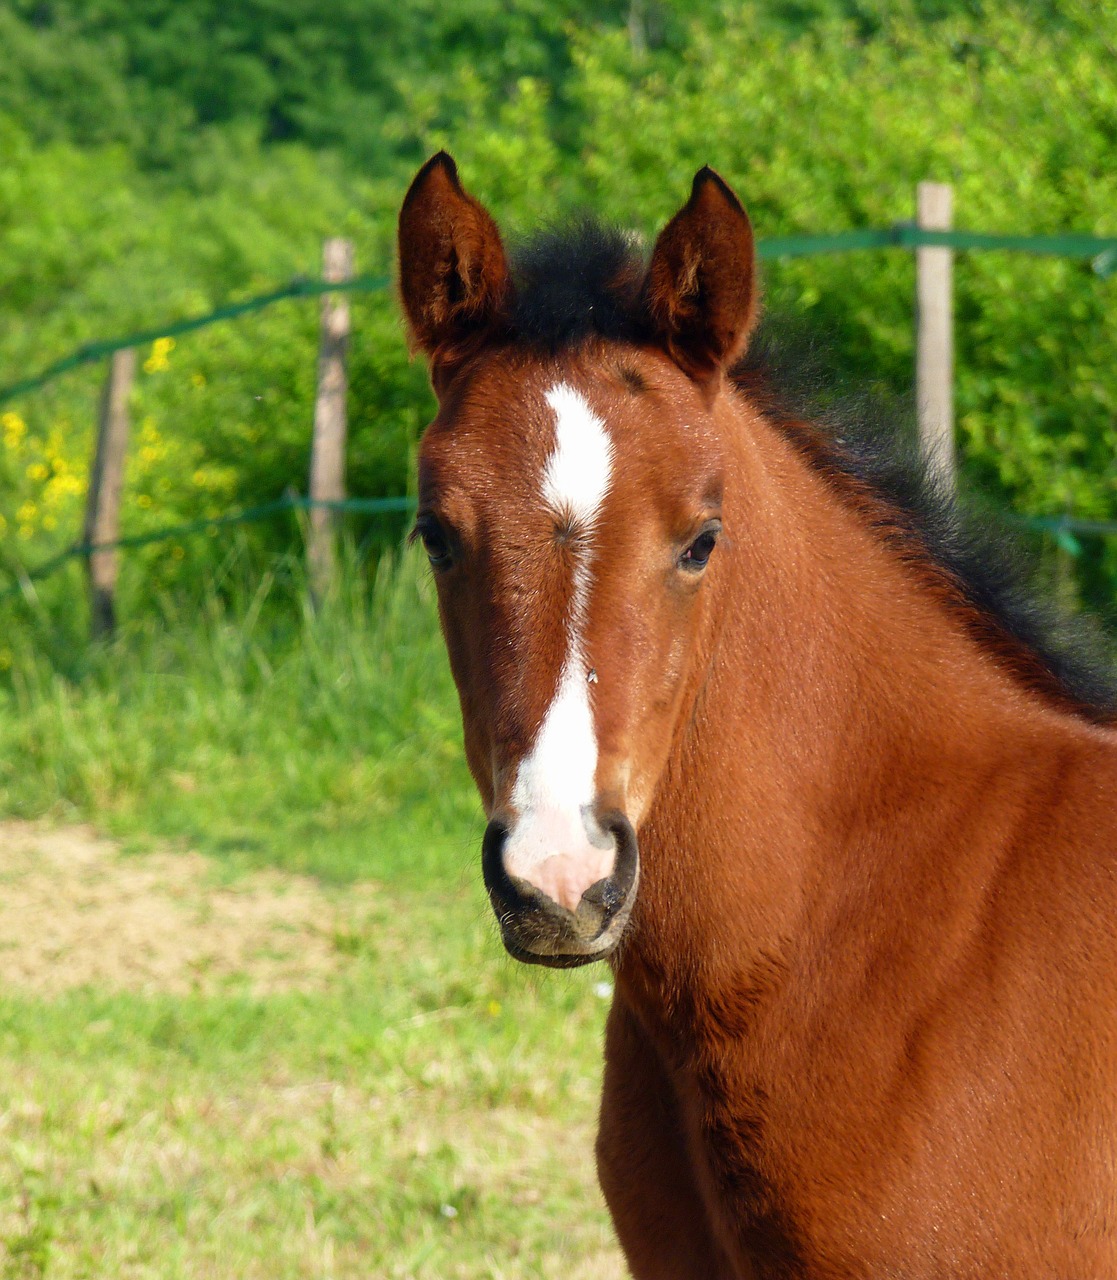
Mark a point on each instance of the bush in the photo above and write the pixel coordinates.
(824, 121)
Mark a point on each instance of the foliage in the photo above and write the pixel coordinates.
(104, 70)
(159, 75)
(824, 114)
(222, 416)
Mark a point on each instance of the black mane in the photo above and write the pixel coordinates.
(583, 282)
(578, 282)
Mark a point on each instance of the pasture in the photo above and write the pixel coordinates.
(216, 1064)
(255, 1016)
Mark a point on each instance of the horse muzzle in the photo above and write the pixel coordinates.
(535, 925)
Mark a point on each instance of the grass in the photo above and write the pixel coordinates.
(430, 1114)
(249, 725)
(427, 1109)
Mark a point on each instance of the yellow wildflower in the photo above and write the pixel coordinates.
(161, 348)
(144, 500)
(198, 379)
(14, 429)
(27, 513)
(66, 485)
(37, 471)
(50, 522)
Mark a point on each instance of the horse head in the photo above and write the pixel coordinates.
(570, 504)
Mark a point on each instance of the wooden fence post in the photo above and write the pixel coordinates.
(637, 30)
(327, 448)
(934, 341)
(106, 480)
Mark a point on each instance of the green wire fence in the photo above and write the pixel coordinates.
(170, 533)
(1100, 251)
(89, 352)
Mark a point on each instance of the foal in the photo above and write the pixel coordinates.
(846, 834)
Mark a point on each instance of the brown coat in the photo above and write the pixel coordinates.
(863, 834)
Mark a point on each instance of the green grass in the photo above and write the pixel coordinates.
(429, 1115)
(247, 724)
(429, 1111)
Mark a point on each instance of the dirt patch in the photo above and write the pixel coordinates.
(74, 912)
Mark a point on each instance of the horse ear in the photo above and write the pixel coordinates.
(701, 284)
(453, 273)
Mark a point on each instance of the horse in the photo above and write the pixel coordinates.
(756, 721)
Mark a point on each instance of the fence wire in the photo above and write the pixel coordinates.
(1100, 250)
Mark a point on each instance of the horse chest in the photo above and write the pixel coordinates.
(781, 1203)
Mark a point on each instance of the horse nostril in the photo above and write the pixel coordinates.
(605, 894)
(626, 862)
(492, 860)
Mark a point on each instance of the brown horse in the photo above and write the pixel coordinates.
(752, 719)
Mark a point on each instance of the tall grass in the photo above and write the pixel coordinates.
(241, 719)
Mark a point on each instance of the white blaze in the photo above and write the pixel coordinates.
(576, 477)
(549, 845)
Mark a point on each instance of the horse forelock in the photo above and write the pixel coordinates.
(575, 283)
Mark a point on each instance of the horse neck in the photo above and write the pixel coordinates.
(846, 741)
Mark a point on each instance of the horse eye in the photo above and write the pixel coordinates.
(698, 553)
(435, 543)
